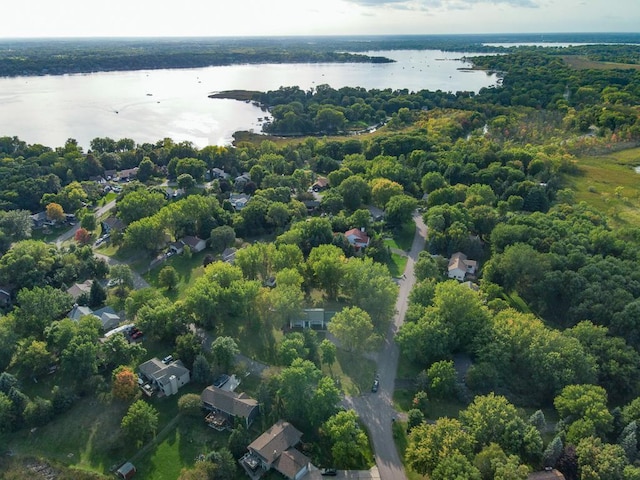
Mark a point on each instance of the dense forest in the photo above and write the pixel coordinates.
(549, 322)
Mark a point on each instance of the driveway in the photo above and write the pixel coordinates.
(376, 409)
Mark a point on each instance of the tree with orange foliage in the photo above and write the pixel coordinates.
(82, 236)
(55, 212)
(125, 383)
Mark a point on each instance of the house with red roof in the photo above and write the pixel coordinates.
(357, 238)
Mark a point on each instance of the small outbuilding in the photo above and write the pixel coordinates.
(126, 471)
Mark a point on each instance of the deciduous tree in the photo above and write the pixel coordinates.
(140, 422)
(353, 328)
(125, 383)
(349, 443)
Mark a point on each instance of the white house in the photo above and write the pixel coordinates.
(460, 266)
(357, 238)
(239, 200)
(167, 378)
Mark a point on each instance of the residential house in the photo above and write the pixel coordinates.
(225, 406)
(176, 247)
(38, 220)
(194, 243)
(275, 449)
(460, 266)
(377, 214)
(229, 255)
(314, 318)
(110, 174)
(78, 289)
(173, 193)
(128, 174)
(241, 180)
(166, 378)
(107, 315)
(320, 184)
(112, 224)
(219, 174)
(79, 311)
(99, 179)
(239, 200)
(357, 238)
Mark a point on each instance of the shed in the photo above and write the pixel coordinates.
(126, 471)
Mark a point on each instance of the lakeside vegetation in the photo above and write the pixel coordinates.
(534, 363)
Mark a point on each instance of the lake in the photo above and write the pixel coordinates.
(150, 105)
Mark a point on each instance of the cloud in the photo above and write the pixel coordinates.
(446, 4)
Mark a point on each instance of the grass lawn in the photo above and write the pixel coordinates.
(189, 269)
(49, 234)
(86, 437)
(396, 265)
(402, 238)
(610, 184)
(581, 62)
(180, 448)
(402, 399)
(354, 372)
(516, 302)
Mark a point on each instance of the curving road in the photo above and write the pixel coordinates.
(68, 235)
(376, 409)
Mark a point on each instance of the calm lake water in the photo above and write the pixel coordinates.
(150, 105)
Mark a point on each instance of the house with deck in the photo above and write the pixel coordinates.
(275, 449)
(166, 378)
(225, 406)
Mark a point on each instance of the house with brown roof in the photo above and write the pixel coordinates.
(226, 405)
(460, 266)
(78, 289)
(194, 243)
(127, 174)
(320, 184)
(275, 449)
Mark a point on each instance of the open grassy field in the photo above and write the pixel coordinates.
(580, 62)
(610, 184)
(188, 268)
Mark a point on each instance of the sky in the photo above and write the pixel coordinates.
(126, 18)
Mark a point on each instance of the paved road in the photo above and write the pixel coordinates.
(376, 409)
(138, 281)
(68, 235)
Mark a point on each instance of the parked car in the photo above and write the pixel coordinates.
(328, 472)
(137, 335)
(167, 359)
(376, 384)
